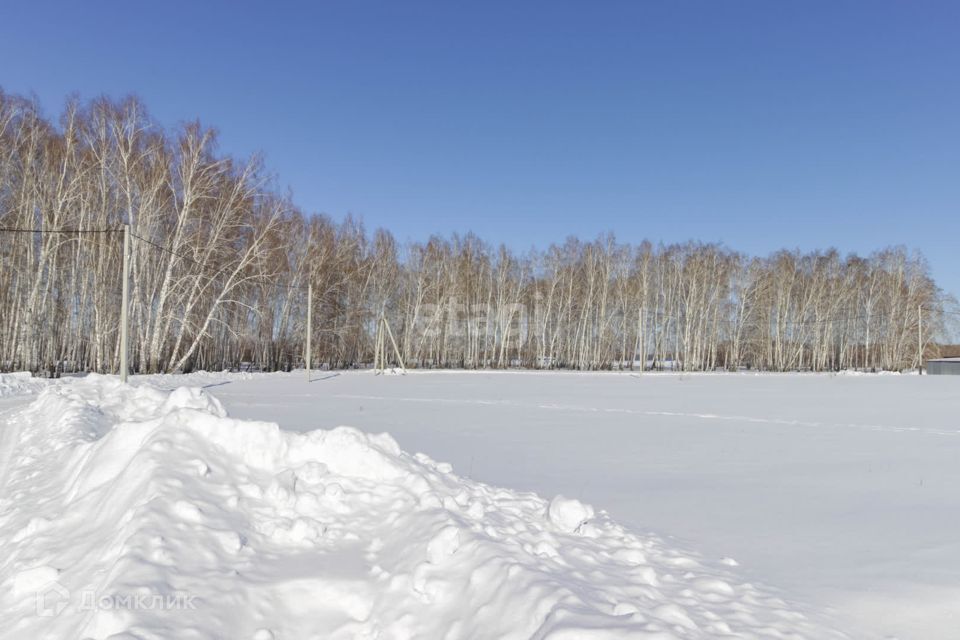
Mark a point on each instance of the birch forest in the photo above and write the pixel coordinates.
(220, 261)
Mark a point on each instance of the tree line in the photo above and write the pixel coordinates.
(220, 263)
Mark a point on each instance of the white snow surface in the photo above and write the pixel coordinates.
(152, 514)
(841, 490)
(20, 382)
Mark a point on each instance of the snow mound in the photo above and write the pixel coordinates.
(17, 383)
(135, 512)
(568, 514)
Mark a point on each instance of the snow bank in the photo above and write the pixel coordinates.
(136, 512)
(20, 382)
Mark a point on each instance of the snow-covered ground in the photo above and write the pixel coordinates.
(836, 495)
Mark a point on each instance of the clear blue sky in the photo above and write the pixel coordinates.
(759, 124)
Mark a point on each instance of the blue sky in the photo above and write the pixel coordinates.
(761, 124)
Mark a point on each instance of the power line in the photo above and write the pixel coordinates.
(138, 237)
(952, 313)
(201, 265)
(164, 249)
(49, 231)
(178, 255)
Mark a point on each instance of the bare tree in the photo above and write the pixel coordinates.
(221, 263)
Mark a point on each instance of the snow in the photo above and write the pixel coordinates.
(20, 382)
(840, 490)
(147, 512)
(569, 514)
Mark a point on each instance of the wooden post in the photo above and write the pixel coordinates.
(376, 349)
(380, 365)
(307, 356)
(124, 300)
(396, 350)
(919, 340)
(380, 348)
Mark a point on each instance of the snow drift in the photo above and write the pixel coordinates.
(17, 383)
(134, 512)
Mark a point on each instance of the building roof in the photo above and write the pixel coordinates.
(944, 360)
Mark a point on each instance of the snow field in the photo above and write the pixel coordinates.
(115, 492)
(841, 490)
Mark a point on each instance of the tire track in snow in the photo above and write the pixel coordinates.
(939, 431)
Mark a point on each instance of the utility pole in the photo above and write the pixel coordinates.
(396, 350)
(309, 326)
(378, 348)
(920, 340)
(124, 298)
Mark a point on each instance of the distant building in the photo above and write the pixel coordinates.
(944, 367)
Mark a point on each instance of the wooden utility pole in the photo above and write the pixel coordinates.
(124, 302)
(307, 357)
(380, 348)
(920, 340)
(396, 350)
